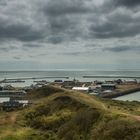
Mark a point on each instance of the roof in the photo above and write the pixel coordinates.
(107, 91)
(131, 80)
(12, 91)
(23, 101)
(80, 88)
(108, 84)
(5, 99)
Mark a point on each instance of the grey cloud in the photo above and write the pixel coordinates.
(69, 20)
(32, 25)
(58, 21)
(63, 7)
(122, 48)
(7, 48)
(127, 3)
(20, 32)
(63, 28)
(18, 21)
(59, 24)
(72, 53)
(38, 55)
(4, 49)
(65, 19)
(32, 45)
(115, 30)
(55, 40)
(17, 57)
(119, 49)
(119, 23)
(77, 53)
(74, 28)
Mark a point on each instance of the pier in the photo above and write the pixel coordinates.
(33, 78)
(94, 76)
(123, 92)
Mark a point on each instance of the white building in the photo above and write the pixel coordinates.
(83, 89)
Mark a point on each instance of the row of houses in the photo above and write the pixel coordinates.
(97, 88)
(118, 81)
(8, 96)
(105, 86)
(7, 87)
(12, 93)
(10, 104)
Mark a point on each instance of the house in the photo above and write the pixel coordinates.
(68, 84)
(108, 86)
(8, 93)
(1, 88)
(107, 91)
(8, 87)
(27, 88)
(11, 105)
(58, 81)
(4, 99)
(23, 102)
(131, 81)
(109, 82)
(119, 81)
(14, 104)
(96, 87)
(98, 82)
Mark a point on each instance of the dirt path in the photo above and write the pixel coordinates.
(8, 118)
(132, 116)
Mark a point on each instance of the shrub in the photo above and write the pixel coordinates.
(117, 130)
(81, 123)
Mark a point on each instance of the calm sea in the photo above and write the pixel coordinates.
(71, 74)
(77, 74)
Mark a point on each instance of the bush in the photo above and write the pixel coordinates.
(44, 92)
(81, 123)
(117, 130)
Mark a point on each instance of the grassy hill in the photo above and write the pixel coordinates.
(59, 114)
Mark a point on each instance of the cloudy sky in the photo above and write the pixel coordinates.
(69, 34)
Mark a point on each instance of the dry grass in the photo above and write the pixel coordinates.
(8, 118)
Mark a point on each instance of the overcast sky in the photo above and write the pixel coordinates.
(69, 34)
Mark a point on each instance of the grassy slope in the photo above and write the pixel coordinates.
(64, 114)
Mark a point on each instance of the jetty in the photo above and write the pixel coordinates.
(111, 76)
(121, 91)
(30, 78)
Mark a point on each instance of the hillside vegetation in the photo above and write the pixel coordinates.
(59, 114)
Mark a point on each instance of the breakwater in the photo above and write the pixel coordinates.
(121, 93)
(108, 76)
(28, 78)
